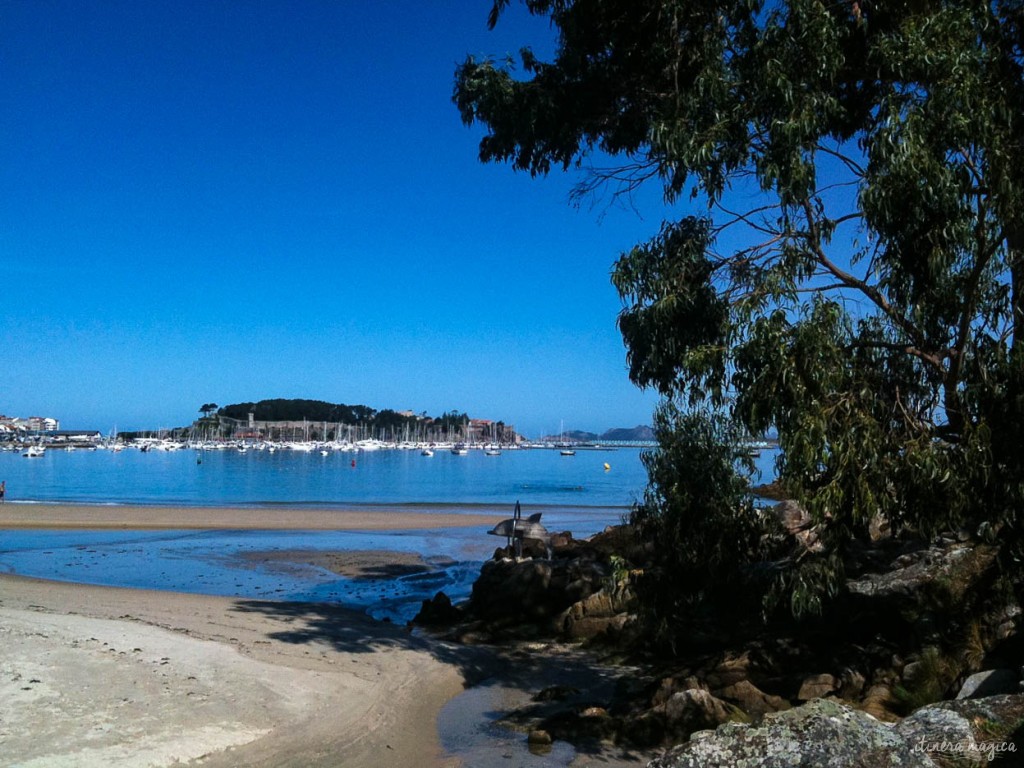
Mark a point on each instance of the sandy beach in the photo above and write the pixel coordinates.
(99, 676)
(138, 517)
(95, 676)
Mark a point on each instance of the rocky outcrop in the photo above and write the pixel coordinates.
(894, 640)
(566, 590)
(604, 612)
(915, 577)
(827, 732)
(514, 592)
(437, 611)
(821, 733)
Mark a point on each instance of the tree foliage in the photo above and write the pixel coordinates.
(704, 529)
(389, 421)
(852, 276)
(297, 409)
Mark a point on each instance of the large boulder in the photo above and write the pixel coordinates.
(821, 733)
(937, 733)
(825, 732)
(991, 682)
(437, 611)
(967, 732)
(915, 577)
(533, 591)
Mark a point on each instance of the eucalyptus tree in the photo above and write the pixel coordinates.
(851, 275)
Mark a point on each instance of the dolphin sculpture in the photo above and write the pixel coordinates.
(515, 529)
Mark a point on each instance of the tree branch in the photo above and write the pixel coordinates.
(871, 292)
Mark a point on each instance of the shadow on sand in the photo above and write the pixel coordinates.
(516, 673)
(348, 631)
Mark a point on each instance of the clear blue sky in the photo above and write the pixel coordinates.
(237, 200)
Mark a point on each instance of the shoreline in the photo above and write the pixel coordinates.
(100, 676)
(178, 517)
(107, 676)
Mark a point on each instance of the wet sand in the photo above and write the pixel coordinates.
(352, 564)
(138, 517)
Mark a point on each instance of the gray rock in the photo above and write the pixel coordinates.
(964, 732)
(972, 732)
(821, 733)
(939, 732)
(991, 682)
(911, 572)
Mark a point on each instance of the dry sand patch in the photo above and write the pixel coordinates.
(94, 676)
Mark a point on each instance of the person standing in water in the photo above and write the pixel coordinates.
(3, 490)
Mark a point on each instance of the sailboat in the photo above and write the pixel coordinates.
(566, 450)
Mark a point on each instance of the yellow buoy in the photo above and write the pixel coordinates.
(607, 466)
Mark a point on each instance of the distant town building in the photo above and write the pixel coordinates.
(43, 424)
(13, 425)
(13, 428)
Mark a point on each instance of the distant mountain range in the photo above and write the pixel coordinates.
(622, 434)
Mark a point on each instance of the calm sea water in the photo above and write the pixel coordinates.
(290, 477)
(389, 477)
(575, 493)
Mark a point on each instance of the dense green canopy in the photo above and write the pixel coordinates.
(853, 271)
